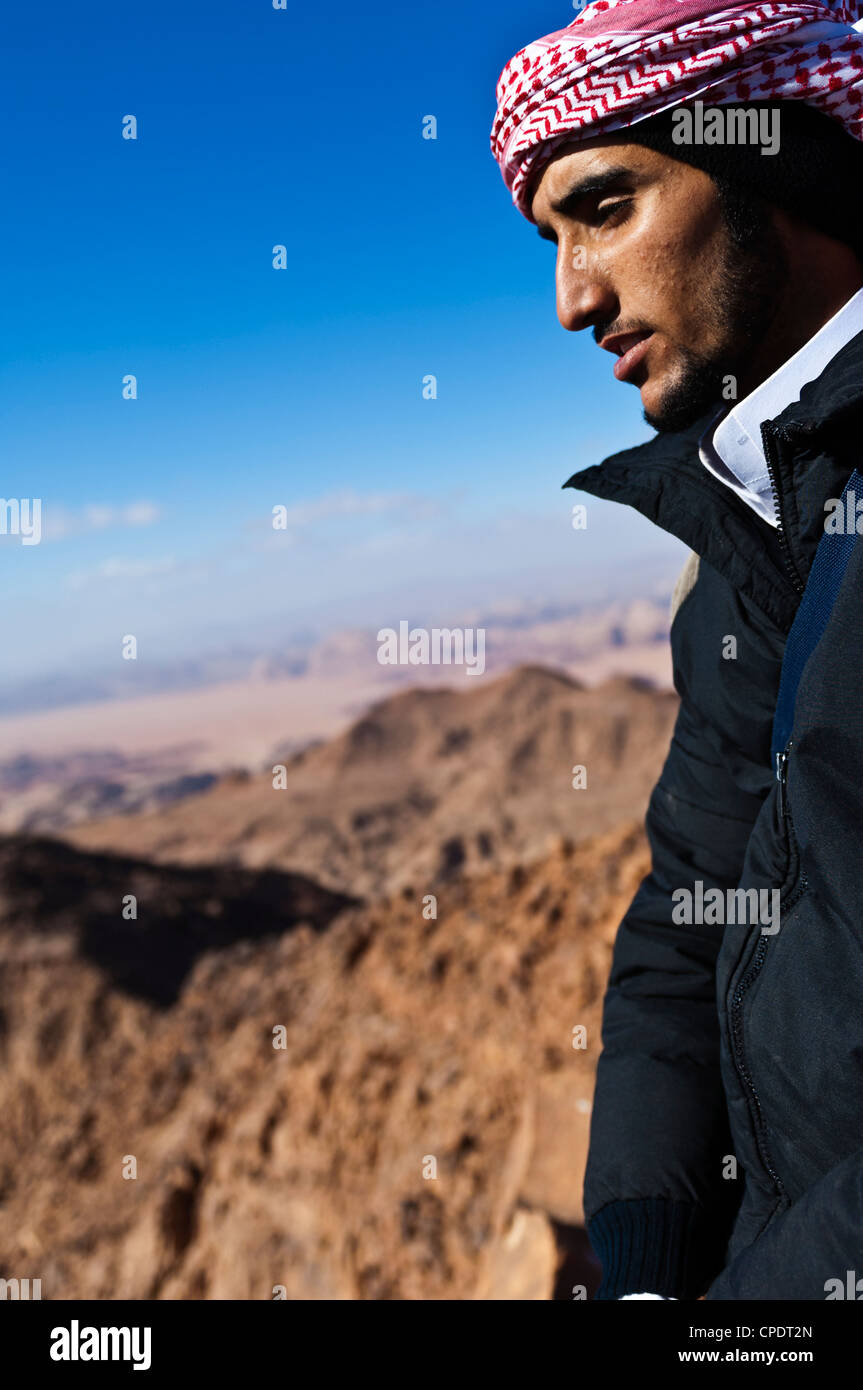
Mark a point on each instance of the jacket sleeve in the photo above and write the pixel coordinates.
(812, 1250)
(658, 1209)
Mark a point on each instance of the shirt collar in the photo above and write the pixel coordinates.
(731, 446)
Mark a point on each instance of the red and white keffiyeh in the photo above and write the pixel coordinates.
(621, 61)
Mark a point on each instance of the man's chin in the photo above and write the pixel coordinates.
(668, 409)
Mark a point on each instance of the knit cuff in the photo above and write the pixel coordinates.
(656, 1245)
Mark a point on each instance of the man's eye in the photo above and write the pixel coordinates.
(605, 212)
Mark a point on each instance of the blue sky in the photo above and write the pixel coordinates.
(299, 387)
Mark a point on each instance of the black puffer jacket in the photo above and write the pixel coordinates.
(734, 1049)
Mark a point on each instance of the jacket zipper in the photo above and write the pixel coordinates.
(752, 974)
(782, 778)
(781, 774)
(767, 439)
(742, 1069)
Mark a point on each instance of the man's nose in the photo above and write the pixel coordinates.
(584, 295)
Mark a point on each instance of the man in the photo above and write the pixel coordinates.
(726, 1153)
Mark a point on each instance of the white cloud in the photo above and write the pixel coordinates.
(349, 503)
(58, 522)
(121, 569)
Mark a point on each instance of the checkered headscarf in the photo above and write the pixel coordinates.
(621, 61)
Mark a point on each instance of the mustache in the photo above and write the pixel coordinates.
(604, 330)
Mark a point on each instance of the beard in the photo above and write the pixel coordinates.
(741, 300)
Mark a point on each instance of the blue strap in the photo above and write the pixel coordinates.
(825, 578)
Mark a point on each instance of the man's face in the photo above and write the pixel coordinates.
(645, 258)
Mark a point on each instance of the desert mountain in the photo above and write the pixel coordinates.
(376, 1104)
(426, 785)
(326, 1040)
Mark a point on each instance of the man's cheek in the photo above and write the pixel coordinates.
(663, 285)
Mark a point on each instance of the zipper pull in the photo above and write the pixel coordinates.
(781, 772)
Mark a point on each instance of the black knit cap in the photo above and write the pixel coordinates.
(815, 175)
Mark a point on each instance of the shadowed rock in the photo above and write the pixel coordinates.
(50, 891)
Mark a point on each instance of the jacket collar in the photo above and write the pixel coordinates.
(811, 446)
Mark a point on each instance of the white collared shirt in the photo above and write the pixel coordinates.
(735, 454)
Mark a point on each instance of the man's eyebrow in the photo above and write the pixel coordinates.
(596, 183)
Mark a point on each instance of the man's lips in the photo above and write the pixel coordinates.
(630, 349)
